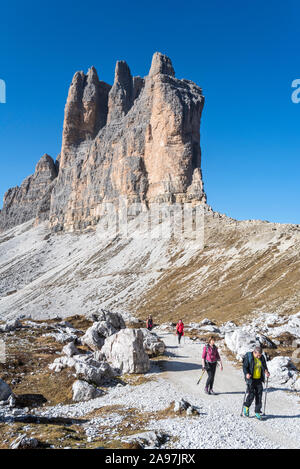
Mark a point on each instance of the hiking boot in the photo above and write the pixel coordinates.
(206, 390)
(212, 392)
(258, 416)
(246, 411)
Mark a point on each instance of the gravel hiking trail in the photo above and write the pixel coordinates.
(281, 427)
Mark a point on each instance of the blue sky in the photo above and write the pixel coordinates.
(244, 55)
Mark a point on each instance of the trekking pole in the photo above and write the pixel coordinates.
(244, 400)
(201, 376)
(266, 392)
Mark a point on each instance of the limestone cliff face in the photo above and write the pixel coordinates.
(32, 198)
(139, 139)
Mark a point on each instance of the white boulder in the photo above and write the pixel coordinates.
(86, 367)
(82, 391)
(114, 319)
(92, 338)
(240, 342)
(152, 344)
(70, 350)
(282, 371)
(125, 351)
(106, 325)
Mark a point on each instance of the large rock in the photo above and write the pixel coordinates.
(5, 391)
(152, 344)
(70, 350)
(125, 351)
(107, 324)
(92, 338)
(113, 319)
(24, 442)
(283, 371)
(240, 342)
(82, 391)
(86, 368)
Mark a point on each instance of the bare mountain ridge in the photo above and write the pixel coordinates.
(243, 267)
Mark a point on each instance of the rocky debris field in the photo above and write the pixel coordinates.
(56, 363)
(103, 382)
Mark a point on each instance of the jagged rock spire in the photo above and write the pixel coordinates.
(161, 64)
(86, 110)
(121, 95)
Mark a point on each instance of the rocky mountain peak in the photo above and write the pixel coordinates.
(161, 64)
(47, 166)
(24, 203)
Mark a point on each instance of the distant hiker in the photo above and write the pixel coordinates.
(149, 323)
(255, 369)
(179, 330)
(210, 358)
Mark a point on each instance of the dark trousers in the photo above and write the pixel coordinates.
(180, 334)
(211, 371)
(255, 391)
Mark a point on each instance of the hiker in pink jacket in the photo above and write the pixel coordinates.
(210, 358)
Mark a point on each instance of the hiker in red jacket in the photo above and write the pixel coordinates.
(179, 330)
(210, 358)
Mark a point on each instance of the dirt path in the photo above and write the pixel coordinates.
(282, 424)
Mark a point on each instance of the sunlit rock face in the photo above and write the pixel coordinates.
(138, 139)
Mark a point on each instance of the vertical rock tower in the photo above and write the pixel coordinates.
(139, 139)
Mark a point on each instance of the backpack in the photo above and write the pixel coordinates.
(149, 323)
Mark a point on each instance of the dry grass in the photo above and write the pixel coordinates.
(79, 322)
(28, 357)
(137, 379)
